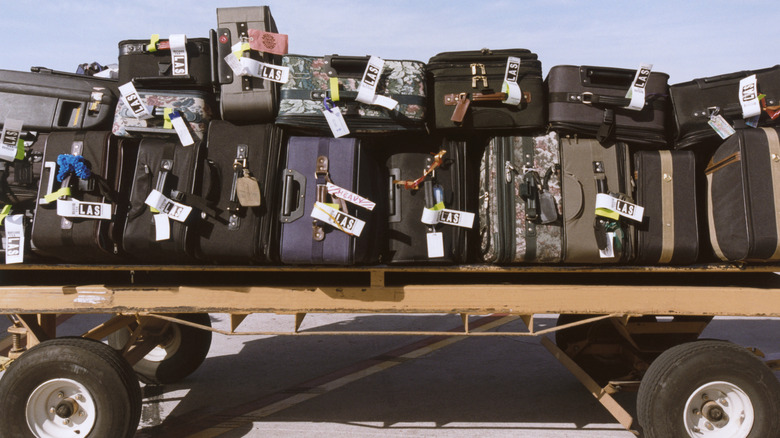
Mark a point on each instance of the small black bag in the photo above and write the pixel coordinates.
(156, 69)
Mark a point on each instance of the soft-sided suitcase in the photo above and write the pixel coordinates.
(696, 101)
(448, 182)
(303, 96)
(193, 105)
(19, 178)
(666, 189)
(241, 168)
(79, 225)
(167, 167)
(311, 163)
(591, 101)
(589, 169)
(46, 100)
(743, 196)
(157, 68)
(468, 93)
(244, 99)
(520, 200)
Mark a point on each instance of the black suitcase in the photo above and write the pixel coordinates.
(666, 188)
(19, 178)
(591, 101)
(467, 90)
(304, 240)
(695, 101)
(46, 100)
(171, 169)
(157, 69)
(79, 226)
(409, 160)
(239, 234)
(743, 196)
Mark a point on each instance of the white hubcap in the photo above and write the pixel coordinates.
(718, 410)
(60, 408)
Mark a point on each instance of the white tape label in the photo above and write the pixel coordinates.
(748, 97)
(352, 198)
(83, 210)
(514, 96)
(337, 219)
(178, 44)
(637, 91)
(14, 238)
(12, 131)
(623, 208)
(172, 209)
(133, 101)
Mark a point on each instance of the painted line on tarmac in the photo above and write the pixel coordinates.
(197, 425)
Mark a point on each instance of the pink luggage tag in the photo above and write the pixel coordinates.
(267, 42)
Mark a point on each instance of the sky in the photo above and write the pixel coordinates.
(684, 38)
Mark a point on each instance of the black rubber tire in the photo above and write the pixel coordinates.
(105, 374)
(192, 351)
(679, 371)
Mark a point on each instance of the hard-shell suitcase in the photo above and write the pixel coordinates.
(591, 101)
(193, 105)
(158, 66)
(313, 162)
(520, 200)
(164, 166)
(666, 189)
(589, 169)
(303, 96)
(79, 204)
(46, 100)
(468, 90)
(408, 161)
(240, 182)
(696, 101)
(743, 196)
(244, 99)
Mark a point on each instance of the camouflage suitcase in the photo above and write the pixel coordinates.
(309, 85)
(520, 200)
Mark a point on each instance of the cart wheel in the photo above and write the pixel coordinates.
(70, 387)
(183, 351)
(709, 389)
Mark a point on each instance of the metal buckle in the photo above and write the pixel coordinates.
(587, 98)
(481, 76)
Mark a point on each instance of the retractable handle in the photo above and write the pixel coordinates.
(606, 77)
(346, 66)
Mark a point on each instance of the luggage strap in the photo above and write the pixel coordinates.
(667, 207)
(322, 178)
(529, 191)
(462, 101)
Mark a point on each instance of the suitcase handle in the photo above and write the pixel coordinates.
(346, 66)
(162, 81)
(606, 77)
(725, 77)
(293, 193)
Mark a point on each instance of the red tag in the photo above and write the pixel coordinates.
(772, 111)
(268, 42)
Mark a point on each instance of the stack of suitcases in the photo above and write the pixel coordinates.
(227, 149)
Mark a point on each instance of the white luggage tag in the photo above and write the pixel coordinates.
(162, 227)
(748, 97)
(720, 125)
(514, 96)
(337, 219)
(255, 68)
(164, 205)
(435, 245)
(179, 61)
(637, 91)
(352, 198)
(180, 126)
(133, 100)
(367, 89)
(336, 122)
(73, 208)
(609, 206)
(10, 140)
(14, 238)
(457, 218)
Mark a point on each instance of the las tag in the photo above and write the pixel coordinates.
(457, 218)
(623, 208)
(178, 45)
(337, 219)
(367, 89)
(336, 121)
(134, 102)
(165, 206)
(84, 210)
(637, 91)
(14, 238)
(514, 96)
(435, 245)
(12, 130)
(748, 97)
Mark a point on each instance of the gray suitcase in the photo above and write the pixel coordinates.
(244, 99)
